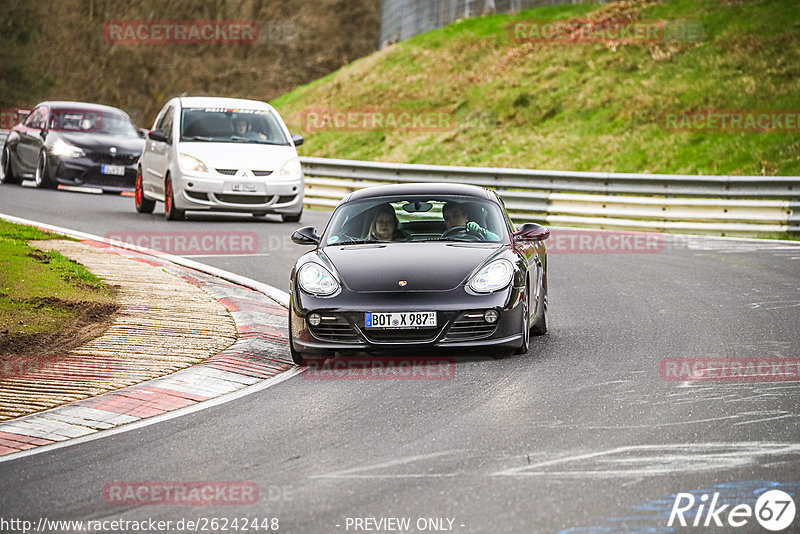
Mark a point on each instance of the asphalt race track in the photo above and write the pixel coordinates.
(582, 434)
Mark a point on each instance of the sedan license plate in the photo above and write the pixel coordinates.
(116, 170)
(401, 320)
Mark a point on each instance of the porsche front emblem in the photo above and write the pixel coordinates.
(402, 283)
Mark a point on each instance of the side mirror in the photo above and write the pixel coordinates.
(297, 140)
(531, 232)
(306, 236)
(157, 135)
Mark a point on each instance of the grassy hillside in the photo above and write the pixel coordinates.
(587, 106)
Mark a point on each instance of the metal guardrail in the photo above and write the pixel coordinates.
(658, 202)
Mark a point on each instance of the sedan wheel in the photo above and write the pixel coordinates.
(170, 211)
(143, 205)
(6, 172)
(41, 176)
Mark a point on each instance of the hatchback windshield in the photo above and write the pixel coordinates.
(92, 121)
(220, 125)
(417, 219)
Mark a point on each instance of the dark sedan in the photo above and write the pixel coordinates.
(418, 266)
(73, 143)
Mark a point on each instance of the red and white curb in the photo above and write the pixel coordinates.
(258, 359)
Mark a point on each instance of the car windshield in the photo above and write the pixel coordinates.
(93, 121)
(220, 125)
(417, 219)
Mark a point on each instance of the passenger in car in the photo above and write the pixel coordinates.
(455, 216)
(384, 226)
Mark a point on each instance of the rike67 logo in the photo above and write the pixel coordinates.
(774, 510)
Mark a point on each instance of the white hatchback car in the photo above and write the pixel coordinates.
(220, 154)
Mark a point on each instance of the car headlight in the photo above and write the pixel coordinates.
(65, 150)
(190, 163)
(291, 168)
(496, 275)
(317, 280)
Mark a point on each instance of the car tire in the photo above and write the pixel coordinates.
(6, 171)
(170, 211)
(292, 218)
(539, 327)
(526, 326)
(41, 176)
(297, 357)
(143, 205)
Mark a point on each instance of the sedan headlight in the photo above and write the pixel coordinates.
(496, 275)
(65, 150)
(291, 168)
(317, 280)
(191, 163)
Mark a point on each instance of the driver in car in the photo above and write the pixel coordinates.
(240, 129)
(455, 216)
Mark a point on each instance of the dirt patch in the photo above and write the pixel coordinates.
(92, 319)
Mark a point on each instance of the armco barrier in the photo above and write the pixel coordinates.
(658, 202)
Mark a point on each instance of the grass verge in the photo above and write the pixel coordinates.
(44, 296)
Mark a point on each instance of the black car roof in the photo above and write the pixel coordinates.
(76, 105)
(419, 189)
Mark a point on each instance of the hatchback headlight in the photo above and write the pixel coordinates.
(190, 163)
(317, 280)
(496, 275)
(291, 168)
(65, 150)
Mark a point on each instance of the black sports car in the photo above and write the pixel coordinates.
(418, 266)
(73, 143)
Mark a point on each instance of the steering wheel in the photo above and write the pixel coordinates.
(460, 230)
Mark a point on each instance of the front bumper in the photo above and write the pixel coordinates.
(242, 194)
(85, 172)
(460, 322)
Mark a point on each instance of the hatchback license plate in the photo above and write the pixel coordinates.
(116, 170)
(401, 320)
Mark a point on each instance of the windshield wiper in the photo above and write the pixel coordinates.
(198, 138)
(364, 242)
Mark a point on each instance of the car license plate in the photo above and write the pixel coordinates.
(117, 170)
(401, 320)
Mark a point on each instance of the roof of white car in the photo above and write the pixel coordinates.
(221, 102)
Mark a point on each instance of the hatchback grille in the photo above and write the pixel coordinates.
(227, 172)
(334, 328)
(470, 325)
(262, 173)
(243, 199)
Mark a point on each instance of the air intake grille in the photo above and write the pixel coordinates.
(227, 172)
(467, 327)
(335, 329)
(242, 199)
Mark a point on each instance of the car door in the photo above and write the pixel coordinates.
(155, 159)
(31, 139)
